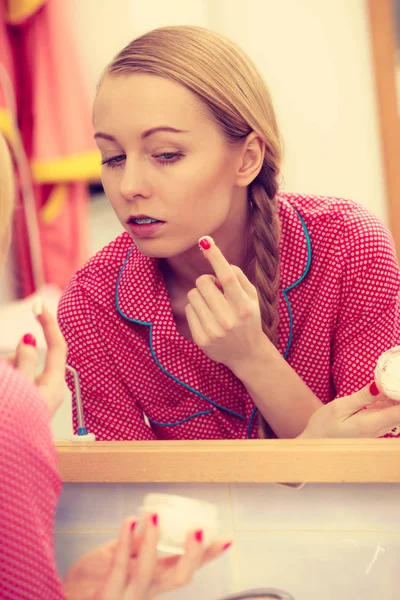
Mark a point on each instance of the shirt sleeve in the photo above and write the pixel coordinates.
(102, 386)
(369, 315)
(29, 490)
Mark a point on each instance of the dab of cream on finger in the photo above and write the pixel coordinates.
(206, 242)
(37, 306)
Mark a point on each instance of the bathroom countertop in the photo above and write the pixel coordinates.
(232, 461)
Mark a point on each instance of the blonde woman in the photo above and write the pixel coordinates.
(286, 305)
(30, 485)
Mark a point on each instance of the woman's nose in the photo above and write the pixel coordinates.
(133, 182)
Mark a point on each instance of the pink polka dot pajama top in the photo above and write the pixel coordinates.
(339, 309)
(29, 489)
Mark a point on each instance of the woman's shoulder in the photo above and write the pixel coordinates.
(314, 207)
(97, 278)
(347, 222)
(106, 261)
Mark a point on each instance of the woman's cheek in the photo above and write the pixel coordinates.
(111, 190)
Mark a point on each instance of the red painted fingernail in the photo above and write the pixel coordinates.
(29, 340)
(228, 545)
(154, 519)
(373, 389)
(133, 525)
(199, 536)
(205, 244)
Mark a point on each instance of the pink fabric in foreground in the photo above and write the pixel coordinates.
(29, 489)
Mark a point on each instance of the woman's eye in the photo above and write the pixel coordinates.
(168, 158)
(115, 161)
(165, 158)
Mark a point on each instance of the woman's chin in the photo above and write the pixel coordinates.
(154, 248)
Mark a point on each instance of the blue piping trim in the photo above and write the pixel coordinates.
(253, 414)
(287, 302)
(150, 325)
(296, 283)
(203, 412)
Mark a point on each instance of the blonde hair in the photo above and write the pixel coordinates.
(226, 81)
(6, 189)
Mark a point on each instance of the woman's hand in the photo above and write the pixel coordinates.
(51, 382)
(367, 414)
(224, 313)
(130, 569)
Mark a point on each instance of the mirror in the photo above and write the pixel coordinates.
(314, 113)
(290, 169)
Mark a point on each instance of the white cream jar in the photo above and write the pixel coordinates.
(387, 373)
(177, 516)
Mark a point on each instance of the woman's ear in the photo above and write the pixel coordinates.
(252, 157)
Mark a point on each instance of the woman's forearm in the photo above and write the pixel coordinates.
(283, 399)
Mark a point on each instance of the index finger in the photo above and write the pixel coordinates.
(191, 560)
(222, 269)
(119, 568)
(56, 347)
(147, 555)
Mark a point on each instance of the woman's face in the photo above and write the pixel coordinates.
(165, 158)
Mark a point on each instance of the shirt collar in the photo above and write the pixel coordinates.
(140, 284)
(295, 244)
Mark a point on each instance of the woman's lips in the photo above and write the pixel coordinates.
(145, 230)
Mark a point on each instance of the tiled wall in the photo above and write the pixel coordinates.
(322, 542)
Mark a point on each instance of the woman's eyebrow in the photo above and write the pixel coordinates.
(145, 134)
(166, 128)
(104, 136)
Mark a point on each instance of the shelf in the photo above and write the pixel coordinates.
(232, 461)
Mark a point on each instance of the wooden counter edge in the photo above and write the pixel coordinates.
(232, 461)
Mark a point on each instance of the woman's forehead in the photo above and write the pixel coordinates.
(146, 101)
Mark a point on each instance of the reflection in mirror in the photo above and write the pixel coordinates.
(158, 336)
(228, 308)
(247, 335)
